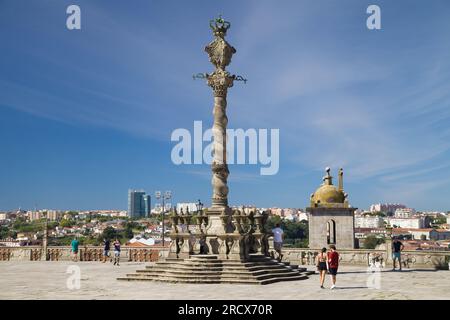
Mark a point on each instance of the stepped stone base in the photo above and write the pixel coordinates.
(258, 269)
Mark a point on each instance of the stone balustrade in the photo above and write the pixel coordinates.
(300, 256)
(366, 257)
(85, 253)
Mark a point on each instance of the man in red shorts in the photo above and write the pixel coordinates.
(333, 264)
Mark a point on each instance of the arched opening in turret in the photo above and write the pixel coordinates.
(331, 232)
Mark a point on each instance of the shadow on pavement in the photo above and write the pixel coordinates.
(389, 270)
(339, 288)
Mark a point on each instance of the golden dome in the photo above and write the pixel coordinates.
(328, 195)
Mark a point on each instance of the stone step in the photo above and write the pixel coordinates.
(190, 281)
(191, 263)
(210, 269)
(277, 275)
(216, 280)
(293, 278)
(203, 257)
(249, 266)
(188, 268)
(218, 263)
(212, 261)
(182, 272)
(223, 277)
(272, 271)
(238, 268)
(266, 266)
(235, 273)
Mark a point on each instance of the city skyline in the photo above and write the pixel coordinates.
(81, 123)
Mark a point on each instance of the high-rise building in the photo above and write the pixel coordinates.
(139, 204)
(147, 205)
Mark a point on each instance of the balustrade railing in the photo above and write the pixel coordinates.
(87, 253)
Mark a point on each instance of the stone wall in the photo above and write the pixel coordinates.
(364, 257)
(85, 253)
(300, 256)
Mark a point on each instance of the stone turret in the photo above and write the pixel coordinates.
(331, 218)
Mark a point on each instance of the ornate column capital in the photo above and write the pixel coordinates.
(220, 81)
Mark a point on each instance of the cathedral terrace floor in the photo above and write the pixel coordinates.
(52, 280)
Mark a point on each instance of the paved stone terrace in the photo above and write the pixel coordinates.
(47, 280)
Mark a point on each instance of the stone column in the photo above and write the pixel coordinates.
(219, 165)
(44, 255)
(220, 53)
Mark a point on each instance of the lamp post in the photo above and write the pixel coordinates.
(45, 238)
(199, 207)
(166, 196)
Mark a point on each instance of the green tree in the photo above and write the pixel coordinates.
(371, 241)
(295, 233)
(128, 232)
(6, 233)
(109, 233)
(65, 223)
(440, 220)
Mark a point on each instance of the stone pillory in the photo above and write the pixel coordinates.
(220, 244)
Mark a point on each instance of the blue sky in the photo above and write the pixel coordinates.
(85, 115)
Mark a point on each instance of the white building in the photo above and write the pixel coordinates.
(34, 215)
(9, 243)
(404, 212)
(413, 223)
(147, 242)
(277, 212)
(191, 206)
(302, 216)
(291, 214)
(362, 221)
(386, 207)
(3, 216)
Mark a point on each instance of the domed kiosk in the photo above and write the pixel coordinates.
(331, 218)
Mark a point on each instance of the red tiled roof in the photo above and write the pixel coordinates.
(137, 244)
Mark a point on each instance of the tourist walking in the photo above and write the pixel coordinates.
(322, 265)
(116, 252)
(278, 240)
(75, 243)
(397, 248)
(106, 248)
(333, 264)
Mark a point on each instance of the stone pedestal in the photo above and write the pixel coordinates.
(216, 228)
